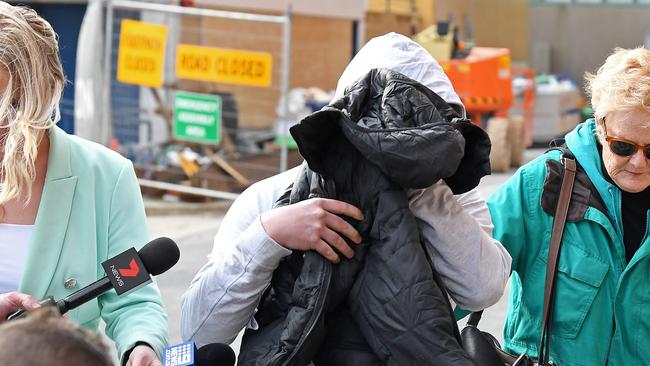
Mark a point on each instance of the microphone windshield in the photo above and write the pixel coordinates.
(159, 255)
(217, 354)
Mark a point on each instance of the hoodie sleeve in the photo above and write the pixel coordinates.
(458, 233)
(223, 296)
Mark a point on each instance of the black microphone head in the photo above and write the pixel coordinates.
(215, 354)
(159, 255)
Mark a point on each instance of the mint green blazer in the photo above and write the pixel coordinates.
(91, 210)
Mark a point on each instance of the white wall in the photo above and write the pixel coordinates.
(580, 37)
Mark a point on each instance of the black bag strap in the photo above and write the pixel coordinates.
(559, 222)
(474, 318)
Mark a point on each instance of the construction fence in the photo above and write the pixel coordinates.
(196, 97)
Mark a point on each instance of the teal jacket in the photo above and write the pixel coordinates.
(91, 210)
(602, 308)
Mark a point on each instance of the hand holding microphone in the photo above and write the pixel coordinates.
(143, 355)
(125, 272)
(186, 354)
(12, 301)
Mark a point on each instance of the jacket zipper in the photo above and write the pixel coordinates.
(647, 227)
(617, 224)
(320, 305)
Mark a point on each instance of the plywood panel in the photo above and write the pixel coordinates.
(423, 9)
(401, 7)
(426, 12)
(320, 50)
(378, 24)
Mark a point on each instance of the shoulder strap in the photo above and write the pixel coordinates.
(474, 318)
(560, 145)
(554, 251)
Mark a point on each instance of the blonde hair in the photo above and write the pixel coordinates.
(622, 83)
(29, 54)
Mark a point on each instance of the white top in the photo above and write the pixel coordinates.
(14, 244)
(224, 294)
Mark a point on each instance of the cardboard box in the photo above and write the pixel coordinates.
(556, 113)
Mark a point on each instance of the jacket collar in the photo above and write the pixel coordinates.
(582, 142)
(52, 217)
(583, 196)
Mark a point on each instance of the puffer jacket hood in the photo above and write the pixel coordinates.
(401, 54)
(394, 122)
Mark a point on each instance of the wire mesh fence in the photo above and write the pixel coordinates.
(195, 97)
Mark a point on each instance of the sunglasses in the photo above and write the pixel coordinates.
(623, 147)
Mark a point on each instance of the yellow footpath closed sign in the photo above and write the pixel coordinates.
(141, 54)
(224, 65)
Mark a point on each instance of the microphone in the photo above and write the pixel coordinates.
(186, 354)
(215, 354)
(126, 271)
(179, 354)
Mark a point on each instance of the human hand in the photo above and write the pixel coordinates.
(143, 355)
(12, 301)
(314, 224)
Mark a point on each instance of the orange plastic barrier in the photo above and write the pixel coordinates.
(483, 80)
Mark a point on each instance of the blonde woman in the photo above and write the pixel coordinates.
(601, 314)
(66, 204)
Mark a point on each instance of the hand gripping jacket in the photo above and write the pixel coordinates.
(386, 305)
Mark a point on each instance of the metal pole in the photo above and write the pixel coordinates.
(140, 5)
(286, 69)
(185, 189)
(107, 119)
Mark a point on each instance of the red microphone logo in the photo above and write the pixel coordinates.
(132, 271)
(126, 271)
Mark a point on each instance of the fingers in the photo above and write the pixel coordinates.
(143, 356)
(341, 208)
(336, 241)
(20, 300)
(27, 301)
(341, 226)
(13, 301)
(134, 359)
(314, 224)
(335, 228)
(326, 251)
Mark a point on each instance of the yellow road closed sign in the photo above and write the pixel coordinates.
(223, 65)
(141, 53)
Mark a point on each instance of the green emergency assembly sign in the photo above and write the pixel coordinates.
(197, 118)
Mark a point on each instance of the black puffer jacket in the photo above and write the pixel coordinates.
(385, 306)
